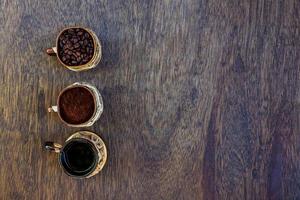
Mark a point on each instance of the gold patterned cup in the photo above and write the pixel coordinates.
(79, 105)
(90, 63)
(83, 155)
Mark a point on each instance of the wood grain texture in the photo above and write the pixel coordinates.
(201, 99)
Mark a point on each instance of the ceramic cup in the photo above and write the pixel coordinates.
(72, 44)
(79, 105)
(83, 155)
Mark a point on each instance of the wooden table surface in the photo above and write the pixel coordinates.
(201, 99)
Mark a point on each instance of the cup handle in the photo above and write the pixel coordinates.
(53, 147)
(51, 51)
(53, 109)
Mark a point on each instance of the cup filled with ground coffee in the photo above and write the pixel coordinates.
(79, 105)
(83, 155)
(77, 48)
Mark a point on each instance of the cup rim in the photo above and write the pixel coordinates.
(94, 42)
(92, 169)
(76, 86)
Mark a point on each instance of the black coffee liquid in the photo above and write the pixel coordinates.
(79, 157)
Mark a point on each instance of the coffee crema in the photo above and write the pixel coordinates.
(76, 105)
(75, 47)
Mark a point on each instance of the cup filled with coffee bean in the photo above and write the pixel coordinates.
(83, 155)
(77, 48)
(79, 105)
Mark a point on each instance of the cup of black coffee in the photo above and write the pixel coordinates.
(77, 48)
(82, 156)
(79, 105)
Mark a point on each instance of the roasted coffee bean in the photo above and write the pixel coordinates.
(75, 47)
(70, 30)
(66, 46)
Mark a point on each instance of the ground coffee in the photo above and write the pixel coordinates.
(76, 105)
(75, 47)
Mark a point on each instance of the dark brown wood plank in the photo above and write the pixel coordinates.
(201, 99)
